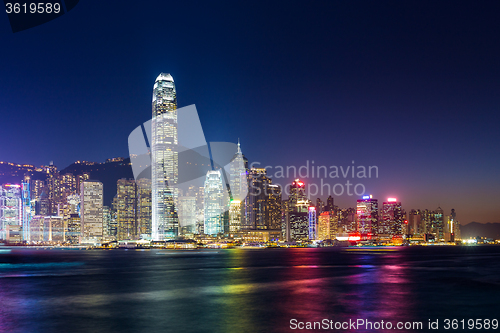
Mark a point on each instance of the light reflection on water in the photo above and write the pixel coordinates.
(240, 290)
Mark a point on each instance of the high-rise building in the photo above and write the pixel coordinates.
(327, 225)
(199, 194)
(126, 209)
(27, 209)
(347, 220)
(164, 159)
(455, 226)
(53, 188)
(392, 219)
(285, 221)
(234, 216)
(320, 206)
(68, 184)
(214, 203)
(43, 204)
(367, 215)
(238, 170)
(91, 209)
(298, 212)
(73, 229)
(312, 223)
(425, 221)
(329, 204)
(436, 225)
(144, 207)
(299, 226)
(106, 221)
(81, 178)
(36, 229)
(53, 229)
(11, 203)
(274, 206)
(297, 200)
(187, 215)
(262, 205)
(256, 202)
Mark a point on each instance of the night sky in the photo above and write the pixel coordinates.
(411, 87)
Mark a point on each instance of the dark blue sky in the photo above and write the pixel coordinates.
(411, 87)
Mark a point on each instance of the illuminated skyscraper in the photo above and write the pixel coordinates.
(367, 215)
(274, 206)
(285, 221)
(392, 218)
(313, 228)
(262, 205)
(256, 203)
(415, 222)
(238, 170)
(297, 200)
(187, 215)
(214, 203)
(91, 209)
(27, 209)
(164, 159)
(73, 229)
(347, 220)
(299, 226)
(327, 225)
(455, 226)
(143, 206)
(436, 224)
(106, 221)
(10, 208)
(298, 214)
(126, 209)
(234, 216)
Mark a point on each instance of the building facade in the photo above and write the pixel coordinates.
(91, 209)
(214, 203)
(367, 215)
(164, 159)
(392, 221)
(11, 203)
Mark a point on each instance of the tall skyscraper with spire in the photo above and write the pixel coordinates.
(164, 159)
(238, 171)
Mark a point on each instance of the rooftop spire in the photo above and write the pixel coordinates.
(239, 149)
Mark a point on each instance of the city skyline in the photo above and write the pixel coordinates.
(421, 106)
(287, 189)
(56, 209)
(249, 166)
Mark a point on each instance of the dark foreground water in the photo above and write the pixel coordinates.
(245, 290)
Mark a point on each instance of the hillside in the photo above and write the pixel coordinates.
(474, 229)
(108, 173)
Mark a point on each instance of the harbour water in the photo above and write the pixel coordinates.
(245, 290)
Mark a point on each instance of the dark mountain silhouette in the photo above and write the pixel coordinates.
(108, 173)
(474, 229)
